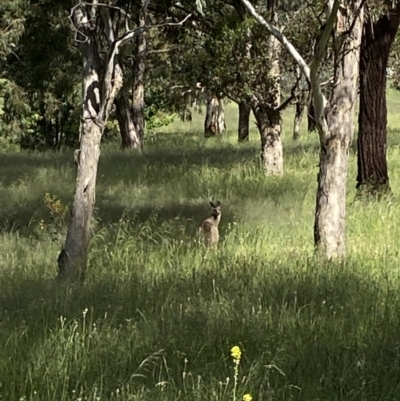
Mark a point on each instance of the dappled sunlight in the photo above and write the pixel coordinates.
(157, 303)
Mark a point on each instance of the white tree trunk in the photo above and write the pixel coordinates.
(98, 96)
(334, 120)
(215, 117)
(336, 134)
(72, 259)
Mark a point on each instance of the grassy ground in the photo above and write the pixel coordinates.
(158, 315)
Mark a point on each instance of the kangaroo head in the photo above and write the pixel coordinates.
(216, 209)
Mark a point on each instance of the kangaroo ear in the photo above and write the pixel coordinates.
(218, 204)
(212, 204)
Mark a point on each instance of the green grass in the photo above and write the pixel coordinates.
(158, 315)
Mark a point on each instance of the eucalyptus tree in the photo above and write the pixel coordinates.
(228, 60)
(334, 116)
(102, 78)
(254, 72)
(130, 99)
(379, 32)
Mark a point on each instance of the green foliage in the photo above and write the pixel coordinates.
(13, 14)
(37, 123)
(157, 119)
(158, 315)
(42, 80)
(56, 224)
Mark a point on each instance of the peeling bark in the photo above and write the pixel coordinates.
(336, 134)
(244, 121)
(214, 123)
(377, 39)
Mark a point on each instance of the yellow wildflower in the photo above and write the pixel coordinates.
(236, 352)
(247, 397)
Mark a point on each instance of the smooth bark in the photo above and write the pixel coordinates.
(98, 96)
(377, 39)
(334, 119)
(244, 121)
(214, 123)
(72, 260)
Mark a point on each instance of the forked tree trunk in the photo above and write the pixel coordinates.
(376, 42)
(214, 123)
(129, 136)
(269, 125)
(299, 111)
(138, 85)
(244, 121)
(98, 96)
(335, 139)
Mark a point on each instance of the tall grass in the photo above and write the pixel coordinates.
(159, 314)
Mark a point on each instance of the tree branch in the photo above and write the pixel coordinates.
(159, 51)
(311, 73)
(110, 90)
(281, 38)
(291, 97)
(319, 98)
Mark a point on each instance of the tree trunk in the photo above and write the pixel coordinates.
(72, 260)
(244, 121)
(269, 125)
(299, 111)
(98, 96)
(268, 115)
(129, 135)
(335, 139)
(215, 117)
(138, 85)
(376, 42)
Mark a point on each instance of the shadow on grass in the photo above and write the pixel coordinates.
(129, 168)
(24, 165)
(111, 213)
(312, 323)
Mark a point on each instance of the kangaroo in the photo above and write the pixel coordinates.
(208, 230)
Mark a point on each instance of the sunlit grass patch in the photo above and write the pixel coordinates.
(159, 314)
